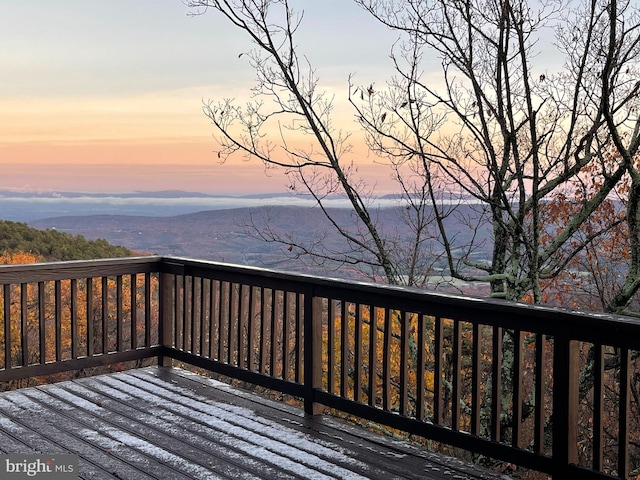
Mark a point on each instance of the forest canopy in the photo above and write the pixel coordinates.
(52, 245)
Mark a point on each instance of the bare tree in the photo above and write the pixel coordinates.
(531, 101)
(288, 109)
(520, 130)
(501, 131)
(525, 128)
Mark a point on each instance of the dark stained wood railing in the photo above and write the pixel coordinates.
(65, 316)
(542, 388)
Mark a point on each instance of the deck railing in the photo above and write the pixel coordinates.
(542, 388)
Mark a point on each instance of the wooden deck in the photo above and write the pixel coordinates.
(161, 423)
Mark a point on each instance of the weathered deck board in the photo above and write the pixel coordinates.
(172, 424)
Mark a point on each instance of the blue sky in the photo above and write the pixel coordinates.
(88, 47)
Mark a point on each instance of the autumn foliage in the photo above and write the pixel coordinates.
(594, 269)
(52, 245)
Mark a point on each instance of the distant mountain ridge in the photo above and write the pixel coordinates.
(226, 235)
(139, 194)
(221, 235)
(29, 206)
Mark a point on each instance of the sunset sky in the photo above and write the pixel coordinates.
(106, 96)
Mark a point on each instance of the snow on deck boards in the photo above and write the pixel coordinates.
(167, 423)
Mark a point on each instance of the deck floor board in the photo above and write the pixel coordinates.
(167, 423)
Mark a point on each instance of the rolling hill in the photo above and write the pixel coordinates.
(227, 235)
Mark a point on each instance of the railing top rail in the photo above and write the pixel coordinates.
(550, 320)
(36, 272)
(588, 326)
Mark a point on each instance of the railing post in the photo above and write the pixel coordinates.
(167, 299)
(565, 405)
(312, 351)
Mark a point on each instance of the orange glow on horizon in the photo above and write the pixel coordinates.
(172, 164)
(147, 142)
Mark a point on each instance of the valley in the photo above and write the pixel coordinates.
(228, 235)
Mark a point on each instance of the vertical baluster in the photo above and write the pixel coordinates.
(598, 409)
(300, 337)
(192, 313)
(566, 372)
(476, 372)
(42, 322)
(147, 309)
(167, 334)
(232, 319)
(224, 318)
(90, 327)
(104, 314)
(24, 325)
(404, 362)
(331, 347)
(180, 312)
(286, 334)
(6, 293)
(516, 375)
(496, 384)
(273, 341)
(178, 317)
(344, 351)
(260, 318)
(241, 323)
(251, 330)
(185, 312)
(177, 303)
(203, 310)
(218, 331)
(216, 313)
(386, 361)
(282, 326)
(539, 410)
(74, 317)
(264, 334)
(58, 319)
(455, 376)
(373, 362)
(313, 313)
(623, 416)
(133, 293)
(357, 353)
(420, 369)
(232, 323)
(438, 372)
(229, 321)
(119, 294)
